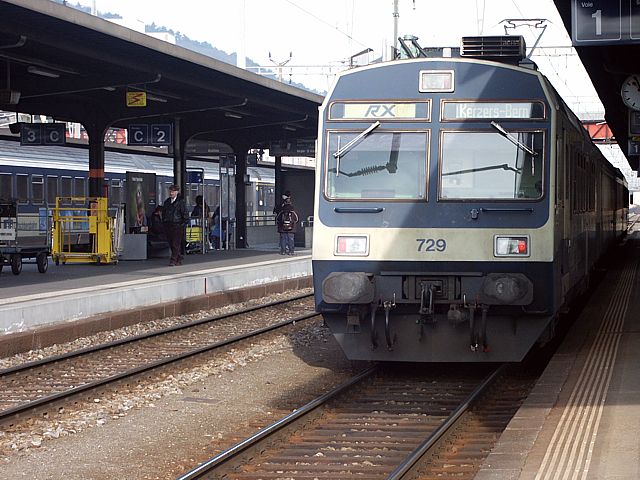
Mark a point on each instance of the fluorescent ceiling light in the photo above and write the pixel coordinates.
(153, 98)
(42, 72)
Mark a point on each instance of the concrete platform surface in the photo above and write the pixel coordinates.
(72, 292)
(582, 419)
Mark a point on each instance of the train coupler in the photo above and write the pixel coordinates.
(374, 335)
(388, 306)
(455, 315)
(426, 306)
(353, 319)
(478, 332)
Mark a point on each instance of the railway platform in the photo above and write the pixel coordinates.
(74, 300)
(581, 420)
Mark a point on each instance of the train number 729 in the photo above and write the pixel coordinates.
(431, 244)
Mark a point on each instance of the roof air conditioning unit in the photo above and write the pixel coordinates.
(502, 48)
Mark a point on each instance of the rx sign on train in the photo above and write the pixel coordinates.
(157, 134)
(42, 134)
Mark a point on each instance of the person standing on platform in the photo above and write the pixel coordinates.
(174, 218)
(287, 219)
(278, 206)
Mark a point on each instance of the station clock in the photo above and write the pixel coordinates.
(630, 92)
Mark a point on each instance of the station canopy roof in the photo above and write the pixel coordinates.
(76, 67)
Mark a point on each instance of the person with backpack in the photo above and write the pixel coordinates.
(287, 220)
(278, 206)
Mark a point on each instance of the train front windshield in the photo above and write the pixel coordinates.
(491, 166)
(483, 165)
(379, 165)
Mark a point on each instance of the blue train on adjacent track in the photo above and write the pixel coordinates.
(34, 176)
(460, 206)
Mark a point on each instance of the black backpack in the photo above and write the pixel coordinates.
(287, 221)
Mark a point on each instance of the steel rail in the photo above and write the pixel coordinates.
(142, 336)
(414, 457)
(230, 453)
(5, 414)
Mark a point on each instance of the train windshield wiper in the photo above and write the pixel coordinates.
(503, 166)
(344, 149)
(511, 138)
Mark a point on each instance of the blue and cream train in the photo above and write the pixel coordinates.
(460, 205)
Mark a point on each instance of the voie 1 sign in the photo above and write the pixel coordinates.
(605, 22)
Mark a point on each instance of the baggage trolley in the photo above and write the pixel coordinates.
(193, 237)
(27, 237)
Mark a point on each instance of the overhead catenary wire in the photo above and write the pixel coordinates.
(337, 29)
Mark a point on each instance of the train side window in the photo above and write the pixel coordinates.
(6, 186)
(52, 189)
(37, 189)
(22, 188)
(65, 187)
(80, 187)
(561, 156)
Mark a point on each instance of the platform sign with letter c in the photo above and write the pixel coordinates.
(138, 135)
(156, 134)
(43, 134)
(54, 133)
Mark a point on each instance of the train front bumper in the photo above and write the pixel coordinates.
(357, 288)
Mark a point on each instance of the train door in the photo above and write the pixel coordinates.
(563, 192)
(597, 181)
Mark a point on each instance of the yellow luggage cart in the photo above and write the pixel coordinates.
(193, 236)
(82, 231)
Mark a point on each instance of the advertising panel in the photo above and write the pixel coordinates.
(141, 200)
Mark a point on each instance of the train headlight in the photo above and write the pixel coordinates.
(511, 246)
(352, 245)
(348, 287)
(506, 289)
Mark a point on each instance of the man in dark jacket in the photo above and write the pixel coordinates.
(174, 218)
(287, 220)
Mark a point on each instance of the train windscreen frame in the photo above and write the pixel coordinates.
(486, 165)
(382, 165)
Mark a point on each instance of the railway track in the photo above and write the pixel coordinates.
(380, 424)
(460, 451)
(42, 386)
